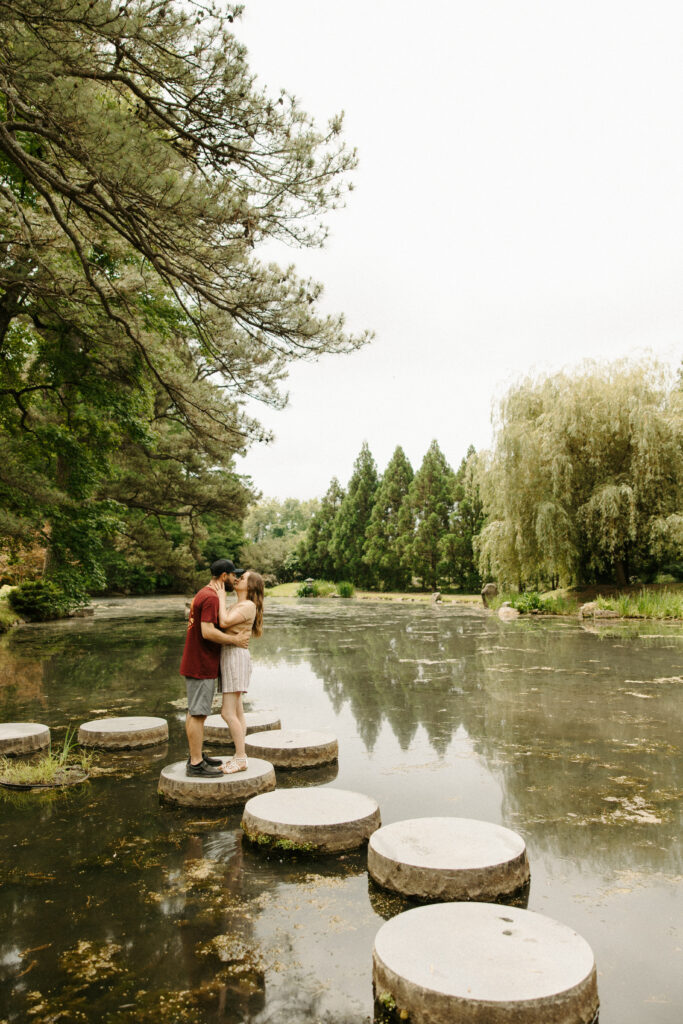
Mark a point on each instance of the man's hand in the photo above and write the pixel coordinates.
(241, 639)
(210, 632)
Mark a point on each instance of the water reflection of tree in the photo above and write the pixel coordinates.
(584, 735)
(97, 660)
(582, 761)
(405, 667)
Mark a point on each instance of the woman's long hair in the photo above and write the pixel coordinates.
(255, 594)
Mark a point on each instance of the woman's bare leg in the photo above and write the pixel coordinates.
(230, 711)
(240, 713)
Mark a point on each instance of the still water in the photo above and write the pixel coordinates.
(116, 909)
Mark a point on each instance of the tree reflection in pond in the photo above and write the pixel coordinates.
(567, 736)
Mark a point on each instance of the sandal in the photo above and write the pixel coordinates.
(235, 764)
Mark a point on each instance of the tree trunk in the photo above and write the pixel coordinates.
(620, 572)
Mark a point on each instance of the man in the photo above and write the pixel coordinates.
(200, 663)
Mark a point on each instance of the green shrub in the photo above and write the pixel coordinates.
(41, 601)
(529, 601)
(558, 605)
(307, 590)
(346, 589)
(8, 617)
(318, 588)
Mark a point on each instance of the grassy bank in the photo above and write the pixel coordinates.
(8, 617)
(290, 590)
(666, 603)
(655, 601)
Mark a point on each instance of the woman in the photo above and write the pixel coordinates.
(246, 615)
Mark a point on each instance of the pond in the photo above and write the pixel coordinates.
(123, 910)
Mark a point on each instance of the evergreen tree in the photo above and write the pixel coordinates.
(353, 520)
(140, 170)
(425, 517)
(383, 552)
(466, 523)
(315, 553)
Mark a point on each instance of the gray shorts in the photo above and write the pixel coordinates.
(200, 696)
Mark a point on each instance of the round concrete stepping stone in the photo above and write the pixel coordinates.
(216, 728)
(477, 963)
(321, 775)
(176, 787)
(23, 737)
(293, 748)
(318, 820)
(125, 733)
(448, 859)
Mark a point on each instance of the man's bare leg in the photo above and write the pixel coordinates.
(194, 730)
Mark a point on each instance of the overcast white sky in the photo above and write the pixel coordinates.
(518, 208)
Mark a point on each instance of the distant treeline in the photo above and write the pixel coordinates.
(584, 484)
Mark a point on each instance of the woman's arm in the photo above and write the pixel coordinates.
(238, 613)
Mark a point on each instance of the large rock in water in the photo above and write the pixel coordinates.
(488, 590)
(593, 610)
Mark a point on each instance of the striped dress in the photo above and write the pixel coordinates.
(235, 669)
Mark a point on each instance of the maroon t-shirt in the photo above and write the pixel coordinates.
(201, 657)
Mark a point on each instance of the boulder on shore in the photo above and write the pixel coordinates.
(488, 590)
(592, 610)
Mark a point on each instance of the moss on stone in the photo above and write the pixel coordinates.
(271, 843)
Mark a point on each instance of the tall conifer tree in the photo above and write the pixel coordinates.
(425, 517)
(353, 519)
(383, 553)
(466, 523)
(315, 552)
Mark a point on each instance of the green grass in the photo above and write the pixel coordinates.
(283, 590)
(45, 770)
(8, 617)
(532, 601)
(290, 590)
(646, 604)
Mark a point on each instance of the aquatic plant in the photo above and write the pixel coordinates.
(49, 769)
(648, 604)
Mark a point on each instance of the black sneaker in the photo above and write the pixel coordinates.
(202, 770)
(211, 760)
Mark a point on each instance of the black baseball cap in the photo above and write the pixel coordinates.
(224, 565)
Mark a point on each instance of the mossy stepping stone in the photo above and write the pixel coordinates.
(176, 787)
(23, 737)
(293, 748)
(448, 859)
(318, 820)
(216, 728)
(478, 963)
(124, 733)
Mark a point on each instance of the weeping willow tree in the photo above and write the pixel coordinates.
(585, 480)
